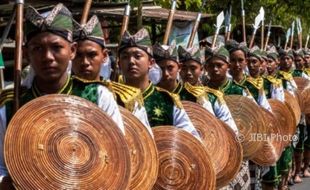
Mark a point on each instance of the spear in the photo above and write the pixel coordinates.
(2, 40)
(115, 67)
(268, 36)
(262, 11)
(169, 24)
(219, 22)
(125, 19)
(85, 13)
(288, 34)
(243, 21)
(227, 22)
(18, 51)
(307, 41)
(195, 27)
(292, 34)
(299, 32)
(258, 20)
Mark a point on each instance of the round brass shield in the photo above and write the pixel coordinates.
(306, 98)
(143, 152)
(294, 108)
(273, 146)
(285, 118)
(213, 135)
(250, 122)
(65, 142)
(235, 158)
(302, 84)
(183, 161)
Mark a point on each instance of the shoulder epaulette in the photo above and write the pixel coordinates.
(175, 97)
(105, 83)
(239, 85)
(256, 82)
(274, 80)
(307, 71)
(7, 95)
(129, 95)
(217, 93)
(286, 75)
(197, 91)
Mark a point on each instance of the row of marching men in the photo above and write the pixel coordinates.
(203, 76)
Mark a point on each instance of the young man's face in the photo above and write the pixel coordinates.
(286, 63)
(49, 55)
(191, 71)
(263, 67)
(254, 65)
(135, 63)
(170, 70)
(271, 66)
(217, 69)
(299, 62)
(89, 57)
(307, 61)
(238, 62)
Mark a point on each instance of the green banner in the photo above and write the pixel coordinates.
(1, 61)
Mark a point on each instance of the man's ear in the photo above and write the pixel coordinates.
(152, 62)
(105, 55)
(73, 50)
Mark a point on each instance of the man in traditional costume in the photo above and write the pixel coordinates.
(91, 53)
(217, 64)
(162, 107)
(192, 69)
(167, 59)
(49, 48)
(284, 164)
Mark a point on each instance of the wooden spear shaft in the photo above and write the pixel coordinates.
(194, 30)
(243, 26)
(169, 24)
(262, 34)
(85, 13)
(125, 20)
(267, 41)
(252, 39)
(307, 41)
(291, 42)
(300, 40)
(18, 51)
